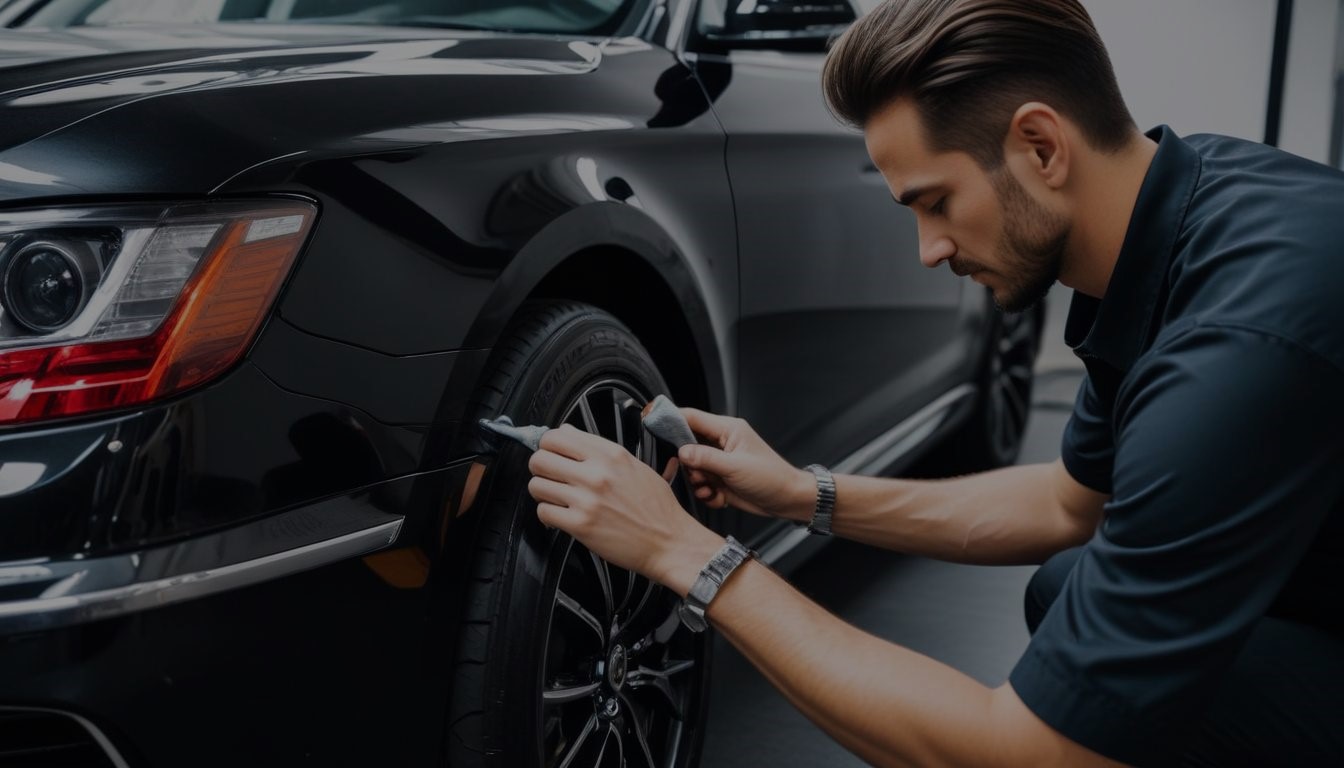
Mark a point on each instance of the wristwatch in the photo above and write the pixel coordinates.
(821, 516)
(706, 586)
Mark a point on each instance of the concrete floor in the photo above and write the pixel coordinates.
(965, 616)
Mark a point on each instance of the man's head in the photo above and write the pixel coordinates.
(974, 111)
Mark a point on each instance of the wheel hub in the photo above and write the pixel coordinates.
(616, 668)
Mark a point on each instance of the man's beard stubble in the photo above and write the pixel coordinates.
(1031, 246)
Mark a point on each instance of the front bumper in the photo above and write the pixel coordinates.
(242, 576)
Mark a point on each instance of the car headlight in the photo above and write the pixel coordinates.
(47, 282)
(108, 307)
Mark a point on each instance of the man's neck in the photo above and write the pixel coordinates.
(1108, 190)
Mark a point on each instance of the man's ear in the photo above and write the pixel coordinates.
(1036, 135)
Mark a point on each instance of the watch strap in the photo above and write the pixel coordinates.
(825, 509)
(711, 578)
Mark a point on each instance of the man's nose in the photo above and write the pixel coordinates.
(936, 250)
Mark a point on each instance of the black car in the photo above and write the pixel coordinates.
(264, 264)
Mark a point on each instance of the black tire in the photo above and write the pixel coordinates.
(992, 435)
(517, 636)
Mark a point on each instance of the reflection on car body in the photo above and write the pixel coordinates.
(264, 266)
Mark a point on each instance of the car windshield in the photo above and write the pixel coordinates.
(567, 17)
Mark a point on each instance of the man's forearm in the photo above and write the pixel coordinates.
(1007, 516)
(887, 704)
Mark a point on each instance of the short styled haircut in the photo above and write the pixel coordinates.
(967, 65)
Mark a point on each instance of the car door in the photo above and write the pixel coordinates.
(843, 332)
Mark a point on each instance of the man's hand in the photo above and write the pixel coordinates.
(596, 491)
(738, 469)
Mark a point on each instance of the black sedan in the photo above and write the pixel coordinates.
(264, 264)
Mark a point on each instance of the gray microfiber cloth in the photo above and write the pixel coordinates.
(529, 436)
(664, 421)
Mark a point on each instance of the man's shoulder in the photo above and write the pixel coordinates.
(1260, 245)
(1248, 166)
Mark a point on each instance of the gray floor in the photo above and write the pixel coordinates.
(968, 617)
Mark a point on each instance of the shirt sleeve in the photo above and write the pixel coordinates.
(1088, 448)
(1226, 463)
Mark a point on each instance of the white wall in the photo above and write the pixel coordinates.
(1309, 93)
(1196, 65)
(1203, 65)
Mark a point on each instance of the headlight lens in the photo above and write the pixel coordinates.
(47, 282)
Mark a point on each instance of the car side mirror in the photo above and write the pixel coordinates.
(796, 25)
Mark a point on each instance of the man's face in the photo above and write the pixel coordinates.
(985, 225)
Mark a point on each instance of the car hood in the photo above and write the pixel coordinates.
(52, 79)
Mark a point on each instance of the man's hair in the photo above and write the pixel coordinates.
(967, 65)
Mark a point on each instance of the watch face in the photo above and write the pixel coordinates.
(693, 619)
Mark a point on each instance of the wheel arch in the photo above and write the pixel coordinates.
(594, 254)
(652, 314)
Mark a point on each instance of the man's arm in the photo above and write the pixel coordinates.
(1008, 516)
(889, 705)
(1014, 515)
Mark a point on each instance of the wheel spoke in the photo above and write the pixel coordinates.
(638, 730)
(647, 448)
(657, 680)
(612, 732)
(638, 611)
(566, 694)
(667, 627)
(604, 579)
(589, 421)
(572, 605)
(672, 668)
(673, 743)
(578, 742)
(1012, 397)
(626, 593)
(602, 751)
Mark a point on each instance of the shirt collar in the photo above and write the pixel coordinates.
(1115, 327)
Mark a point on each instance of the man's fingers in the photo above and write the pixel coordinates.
(706, 459)
(555, 516)
(549, 464)
(550, 491)
(711, 426)
(574, 443)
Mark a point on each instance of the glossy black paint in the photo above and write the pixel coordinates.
(457, 174)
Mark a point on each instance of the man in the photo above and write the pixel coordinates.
(1187, 610)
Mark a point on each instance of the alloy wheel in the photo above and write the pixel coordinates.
(621, 675)
(1009, 396)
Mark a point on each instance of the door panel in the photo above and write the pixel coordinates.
(843, 332)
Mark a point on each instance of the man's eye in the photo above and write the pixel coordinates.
(938, 207)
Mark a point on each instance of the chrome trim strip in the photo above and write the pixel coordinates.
(99, 738)
(783, 544)
(882, 452)
(79, 591)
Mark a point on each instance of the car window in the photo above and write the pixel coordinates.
(568, 16)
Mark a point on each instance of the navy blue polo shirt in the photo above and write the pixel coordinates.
(1212, 413)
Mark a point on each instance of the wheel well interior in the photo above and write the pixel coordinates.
(623, 284)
